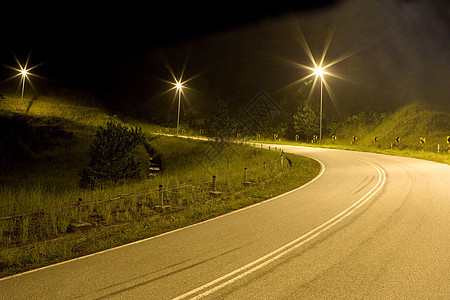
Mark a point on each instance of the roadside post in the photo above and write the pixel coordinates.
(397, 142)
(213, 183)
(422, 141)
(161, 194)
(79, 225)
(448, 143)
(214, 191)
(80, 201)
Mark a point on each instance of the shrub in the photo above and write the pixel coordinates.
(306, 121)
(110, 158)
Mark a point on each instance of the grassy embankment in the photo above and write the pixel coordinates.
(410, 123)
(39, 182)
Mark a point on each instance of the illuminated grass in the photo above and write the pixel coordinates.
(48, 180)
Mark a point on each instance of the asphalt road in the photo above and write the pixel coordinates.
(369, 226)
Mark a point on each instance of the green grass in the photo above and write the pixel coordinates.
(43, 240)
(41, 189)
(46, 181)
(409, 123)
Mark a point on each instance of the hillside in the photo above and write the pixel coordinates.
(409, 123)
(45, 147)
(47, 137)
(412, 122)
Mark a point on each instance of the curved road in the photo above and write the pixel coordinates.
(369, 226)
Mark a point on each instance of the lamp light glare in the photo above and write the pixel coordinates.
(319, 71)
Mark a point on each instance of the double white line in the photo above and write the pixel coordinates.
(250, 268)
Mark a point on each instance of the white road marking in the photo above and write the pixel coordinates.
(250, 268)
(173, 231)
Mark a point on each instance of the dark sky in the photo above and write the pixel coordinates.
(400, 48)
(78, 37)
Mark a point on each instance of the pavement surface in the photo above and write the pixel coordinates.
(368, 226)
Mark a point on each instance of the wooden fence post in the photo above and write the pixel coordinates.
(161, 194)
(79, 225)
(79, 210)
(214, 183)
(245, 174)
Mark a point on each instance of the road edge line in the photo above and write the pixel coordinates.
(322, 170)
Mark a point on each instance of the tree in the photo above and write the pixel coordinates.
(306, 121)
(111, 160)
(220, 123)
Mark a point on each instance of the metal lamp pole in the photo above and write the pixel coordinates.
(321, 106)
(178, 85)
(179, 104)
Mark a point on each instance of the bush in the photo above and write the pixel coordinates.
(306, 121)
(111, 160)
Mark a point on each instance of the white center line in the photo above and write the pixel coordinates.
(248, 269)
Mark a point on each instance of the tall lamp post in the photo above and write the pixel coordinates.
(24, 73)
(178, 85)
(319, 72)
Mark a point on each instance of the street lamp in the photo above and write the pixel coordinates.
(179, 86)
(24, 73)
(319, 71)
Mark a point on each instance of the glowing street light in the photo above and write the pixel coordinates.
(319, 69)
(179, 86)
(23, 72)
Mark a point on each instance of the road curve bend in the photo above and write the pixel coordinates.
(369, 226)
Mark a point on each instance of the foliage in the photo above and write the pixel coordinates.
(220, 123)
(306, 121)
(110, 159)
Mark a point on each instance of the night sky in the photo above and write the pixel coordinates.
(80, 38)
(399, 49)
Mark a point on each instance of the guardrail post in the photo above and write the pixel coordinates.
(79, 225)
(214, 183)
(161, 194)
(79, 209)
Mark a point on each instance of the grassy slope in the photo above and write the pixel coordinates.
(409, 123)
(48, 177)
